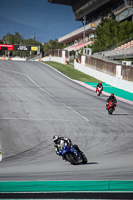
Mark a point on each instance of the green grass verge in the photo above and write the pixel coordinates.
(72, 73)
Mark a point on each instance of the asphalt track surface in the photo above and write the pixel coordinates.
(37, 102)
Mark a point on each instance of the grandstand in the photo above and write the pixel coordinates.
(94, 9)
(90, 12)
(124, 50)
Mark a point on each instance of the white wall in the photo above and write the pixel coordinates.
(111, 80)
(55, 59)
(18, 59)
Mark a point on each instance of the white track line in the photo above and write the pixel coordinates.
(30, 119)
(45, 91)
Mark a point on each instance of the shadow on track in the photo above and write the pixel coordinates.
(92, 163)
(124, 114)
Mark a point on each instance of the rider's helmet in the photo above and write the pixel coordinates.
(112, 94)
(100, 83)
(55, 139)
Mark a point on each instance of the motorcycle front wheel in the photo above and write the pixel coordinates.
(84, 160)
(71, 158)
(110, 111)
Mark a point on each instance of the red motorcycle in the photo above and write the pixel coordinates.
(99, 91)
(111, 107)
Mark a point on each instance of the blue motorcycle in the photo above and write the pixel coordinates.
(72, 155)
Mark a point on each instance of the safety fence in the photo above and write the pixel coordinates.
(126, 72)
(57, 53)
(115, 81)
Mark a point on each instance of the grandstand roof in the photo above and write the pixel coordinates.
(76, 4)
(77, 34)
(64, 2)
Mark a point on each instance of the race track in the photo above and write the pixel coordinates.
(36, 102)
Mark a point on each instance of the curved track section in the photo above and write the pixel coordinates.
(37, 102)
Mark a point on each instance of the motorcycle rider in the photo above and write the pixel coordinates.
(99, 85)
(59, 143)
(111, 98)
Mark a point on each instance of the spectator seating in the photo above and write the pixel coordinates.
(125, 50)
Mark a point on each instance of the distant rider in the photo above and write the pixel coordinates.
(59, 143)
(99, 85)
(111, 98)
